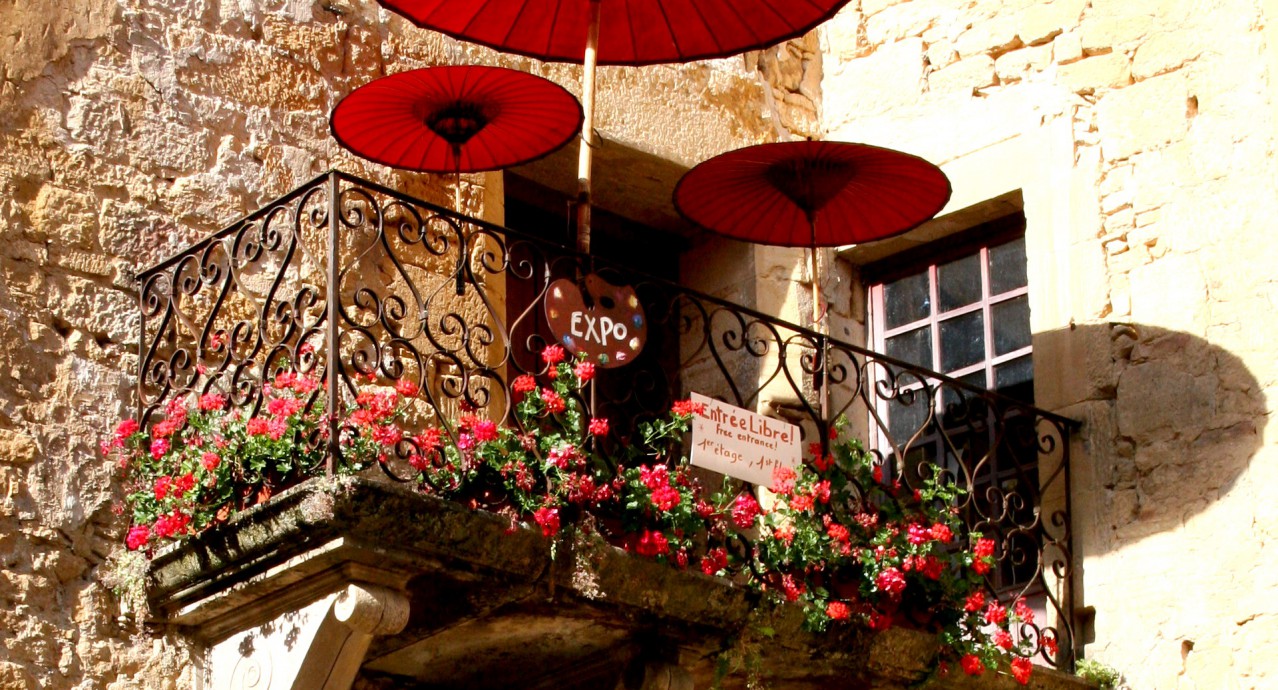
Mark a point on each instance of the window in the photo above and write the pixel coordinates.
(962, 310)
(961, 307)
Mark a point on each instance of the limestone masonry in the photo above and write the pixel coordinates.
(1139, 137)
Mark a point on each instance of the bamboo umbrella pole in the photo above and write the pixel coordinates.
(586, 155)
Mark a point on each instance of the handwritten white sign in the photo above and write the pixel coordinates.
(740, 443)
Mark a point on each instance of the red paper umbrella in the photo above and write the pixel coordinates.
(812, 194)
(616, 32)
(456, 119)
(631, 32)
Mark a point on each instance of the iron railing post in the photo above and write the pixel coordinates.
(137, 390)
(332, 356)
(1071, 606)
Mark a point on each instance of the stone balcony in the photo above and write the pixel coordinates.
(341, 581)
(360, 286)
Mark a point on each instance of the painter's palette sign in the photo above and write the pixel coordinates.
(742, 444)
(605, 323)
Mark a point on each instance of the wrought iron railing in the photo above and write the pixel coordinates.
(357, 284)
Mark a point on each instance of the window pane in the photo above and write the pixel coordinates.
(1011, 325)
(962, 341)
(913, 346)
(1007, 266)
(1015, 379)
(960, 282)
(957, 403)
(907, 300)
(907, 414)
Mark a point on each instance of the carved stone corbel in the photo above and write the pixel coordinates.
(320, 646)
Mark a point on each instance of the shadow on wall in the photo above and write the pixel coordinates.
(1171, 422)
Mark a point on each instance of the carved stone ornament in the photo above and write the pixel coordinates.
(606, 323)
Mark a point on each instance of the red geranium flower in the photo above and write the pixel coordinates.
(552, 355)
(585, 371)
(838, 611)
(212, 401)
(995, 613)
(823, 463)
(524, 383)
(1024, 612)
(793, 590)
(975, 602)
(430, 439)
(744, 510)
(599, 426)
(782, 480)
(276, 428)
(554, 403)
(652, 544)
(716, 559)
(654, 477)
(665, 498)
(972, 665)
(1021, 670)
(183, 484)
(879, 622)
(406, 388)
(485, 430)
(210, 460)
(171, 524)
(283, 407)
(257, 426)
(548, 519)
(137, 537)
(687, 408)
(387, 435)
(126, 428)
(891, 581)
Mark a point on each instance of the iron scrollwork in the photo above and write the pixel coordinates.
(359, 285)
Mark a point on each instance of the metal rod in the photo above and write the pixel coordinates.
(586, 153)
(142, 351)
(332, 350)
(821, 329)
(818, 325)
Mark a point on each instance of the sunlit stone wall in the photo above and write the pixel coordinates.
(1140, 139)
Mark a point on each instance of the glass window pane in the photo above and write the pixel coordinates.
(960, 282)
(1007, 266)
(913, 346)
(1015, 379)
(957, 402)
(907, 414)
(1011, 322)
(907, 300)
(962, 341)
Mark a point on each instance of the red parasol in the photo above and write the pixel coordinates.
(616, 32)
(456, 119)
(812, 194)
(631, 32)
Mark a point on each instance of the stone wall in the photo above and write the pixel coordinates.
(128, 128)
(1140, 138)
